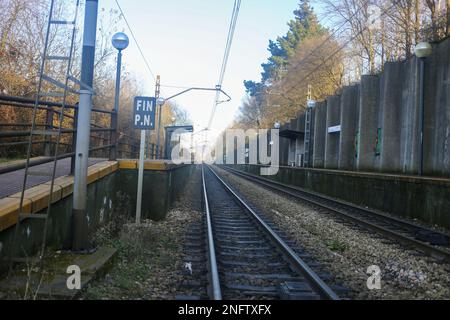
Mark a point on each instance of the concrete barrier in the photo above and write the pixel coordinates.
(437, 111)
(369, 123)
(162, 182)
(332, 139)
(320, 123)
(112, 191)
(349, 125)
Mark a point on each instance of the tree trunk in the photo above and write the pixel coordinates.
(417, 22)
(434, 23)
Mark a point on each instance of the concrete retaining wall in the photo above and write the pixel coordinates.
(160, 189)
(320, 135)
(110, 193)
(380, 117)
(349, 125)
(332, 139)
(437, 111)
(103, 198)
(369, 122)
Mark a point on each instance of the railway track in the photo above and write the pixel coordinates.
(430, 242)
(247, 258)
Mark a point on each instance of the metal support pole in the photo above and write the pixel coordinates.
(74, 140)
(115, 116)
(140, 178)
(421, 115)
(80, 220)
(158, 139)
(80, 223)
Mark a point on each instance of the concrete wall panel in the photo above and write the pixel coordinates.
(320, 124)
(369, 104)
(349, 125)
(391, 104)
(437, 111)
(332, 139)
(410, 133)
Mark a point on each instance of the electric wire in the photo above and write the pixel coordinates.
(230, 38)
(136, 41)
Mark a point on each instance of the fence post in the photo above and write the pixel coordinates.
(113, 137)
(48, 126)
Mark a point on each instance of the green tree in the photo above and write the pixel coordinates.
(304, 25)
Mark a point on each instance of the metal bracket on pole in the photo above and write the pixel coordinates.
(82, 85)
(218, 88)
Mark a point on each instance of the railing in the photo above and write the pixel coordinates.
(14, 135)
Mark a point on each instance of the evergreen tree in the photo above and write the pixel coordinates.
(304, 25)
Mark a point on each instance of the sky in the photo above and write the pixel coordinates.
(184, 42)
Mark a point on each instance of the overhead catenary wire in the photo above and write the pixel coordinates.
(231, 32)
(147, 64)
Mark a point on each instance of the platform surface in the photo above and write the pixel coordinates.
(12, 182)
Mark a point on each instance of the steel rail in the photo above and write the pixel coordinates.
(428, 249)
(216, 293)
(297, 262)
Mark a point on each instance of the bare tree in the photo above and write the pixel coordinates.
(448, 18)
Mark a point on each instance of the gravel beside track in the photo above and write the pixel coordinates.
(347, 251)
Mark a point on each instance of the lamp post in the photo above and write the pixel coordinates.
(422, 51)
(120, 41)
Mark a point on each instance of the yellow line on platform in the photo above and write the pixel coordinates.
(36, 198)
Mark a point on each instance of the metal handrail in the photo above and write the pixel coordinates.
(23, 102)
(129, 146)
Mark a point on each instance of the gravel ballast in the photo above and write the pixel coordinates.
(347, 251)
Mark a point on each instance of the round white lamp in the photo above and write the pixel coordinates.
(120, 41)
(423, 50)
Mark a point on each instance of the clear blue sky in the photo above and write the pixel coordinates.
(184, 42)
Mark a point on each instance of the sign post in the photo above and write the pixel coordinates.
(144, 120)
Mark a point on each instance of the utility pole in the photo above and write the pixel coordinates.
(120, 41)
(157, 95)
(80, 221)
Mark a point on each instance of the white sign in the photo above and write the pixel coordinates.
(144, 113)
(144, 119)
(311, 104)
(335, 129)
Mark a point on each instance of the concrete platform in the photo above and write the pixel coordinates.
(54, 283)
(111, 192)
(37, 197)
(149, 165)
(11, 183)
